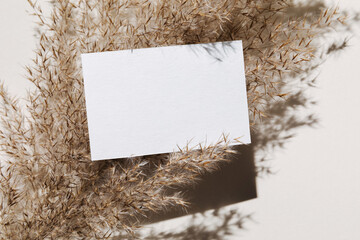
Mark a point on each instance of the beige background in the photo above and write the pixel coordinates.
(315, 193)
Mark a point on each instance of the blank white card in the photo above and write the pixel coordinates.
(154, 100)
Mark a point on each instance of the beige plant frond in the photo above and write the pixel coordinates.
(50, 189)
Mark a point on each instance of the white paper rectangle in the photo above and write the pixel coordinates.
(149, 101)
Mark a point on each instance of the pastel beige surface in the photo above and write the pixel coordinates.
(315, 193)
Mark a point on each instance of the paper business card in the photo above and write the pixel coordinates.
(154, 100)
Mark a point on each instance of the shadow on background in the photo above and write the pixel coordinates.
(234, 182)
(198, 227)
(274, 132)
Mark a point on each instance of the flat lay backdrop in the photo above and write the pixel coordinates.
(315, 191)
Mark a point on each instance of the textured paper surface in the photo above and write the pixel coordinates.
(149, 101)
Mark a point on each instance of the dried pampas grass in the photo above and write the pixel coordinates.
(49, 187)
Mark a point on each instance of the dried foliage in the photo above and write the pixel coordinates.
(49, 187)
